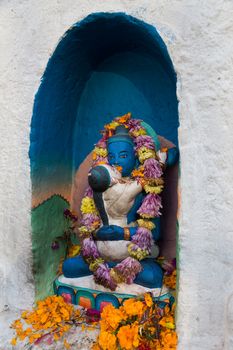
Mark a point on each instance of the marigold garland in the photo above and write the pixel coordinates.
(149, 174)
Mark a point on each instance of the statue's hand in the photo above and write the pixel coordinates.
(110, 233)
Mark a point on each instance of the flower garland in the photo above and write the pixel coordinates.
(149, 175)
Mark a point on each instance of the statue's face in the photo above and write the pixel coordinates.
(121, 153)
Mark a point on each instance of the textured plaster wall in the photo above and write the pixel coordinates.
(199, 37)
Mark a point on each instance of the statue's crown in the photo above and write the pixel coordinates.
(121, 134)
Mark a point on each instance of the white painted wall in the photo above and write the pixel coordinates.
(199, 37)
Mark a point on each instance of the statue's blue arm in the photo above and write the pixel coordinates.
(172, 156)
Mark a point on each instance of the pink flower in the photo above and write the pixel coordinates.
(102, 276)
(102, 143)
(88, 192)
(151, 206)
(134, 124)
(143, 239)
(89, 219)
(129, 268)
(169, 266)
(89, 249)
(152, 168)
(144, 141)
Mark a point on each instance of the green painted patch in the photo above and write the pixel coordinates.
(48, 222)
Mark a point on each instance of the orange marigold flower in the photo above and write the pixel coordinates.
(168, 339)
(119, 168)
(49, 316)
(124, 118)
(170, 280)
(17, 324)
(128, 337)
(167, 322)
(107, 341)
(138, 172)
(96, 346)
(111, 317)
(133, 307)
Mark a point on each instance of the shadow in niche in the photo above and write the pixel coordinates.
(104, 66)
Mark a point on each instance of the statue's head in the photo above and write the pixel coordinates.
(121, 150)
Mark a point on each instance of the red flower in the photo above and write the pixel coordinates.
(92, 315)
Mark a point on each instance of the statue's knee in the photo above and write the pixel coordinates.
(75, 267)
(151, 276)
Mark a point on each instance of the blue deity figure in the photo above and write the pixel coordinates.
(118, 200)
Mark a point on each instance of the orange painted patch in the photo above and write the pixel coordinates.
(85, 302)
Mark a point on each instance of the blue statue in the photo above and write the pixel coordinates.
(118, 198)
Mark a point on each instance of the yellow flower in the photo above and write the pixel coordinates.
(88, 206)
(146, 223)
(112, 125)
(84, 230)
(148, 299)
(167, 322)
(95, 264)
(153, 189)
(138, 132)
(128, 337)
(155, 182)
(74, 250)
(13, 341)
(138, 254)
(99, 151)
(145, 153)
(107, 341)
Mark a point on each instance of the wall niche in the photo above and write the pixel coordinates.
(106, 65)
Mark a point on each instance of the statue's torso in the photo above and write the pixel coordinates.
(118, 200)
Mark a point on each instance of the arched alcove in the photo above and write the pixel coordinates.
(106, 65)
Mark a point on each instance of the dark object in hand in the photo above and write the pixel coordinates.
(99, 179)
